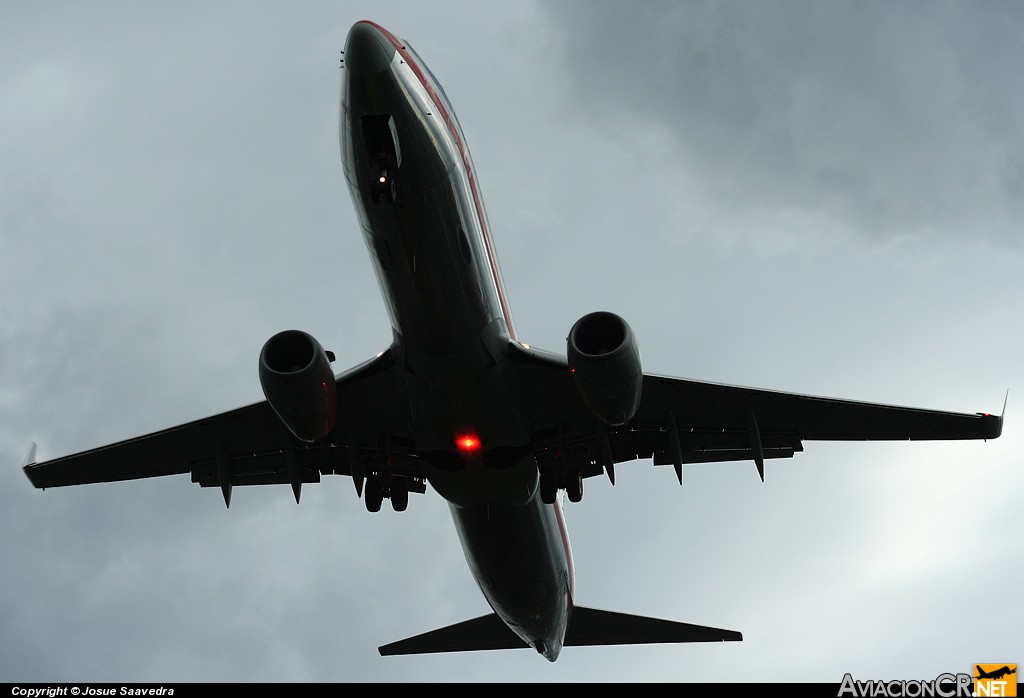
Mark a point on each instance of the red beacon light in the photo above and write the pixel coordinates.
(467, 443)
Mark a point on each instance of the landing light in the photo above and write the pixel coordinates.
(382, 179)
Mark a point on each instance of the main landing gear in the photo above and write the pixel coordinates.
(379, 487)
(568, 478)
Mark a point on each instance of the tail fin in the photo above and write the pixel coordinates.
(587, 626)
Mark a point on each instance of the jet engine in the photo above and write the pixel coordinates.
(605, 364)
(297, 379)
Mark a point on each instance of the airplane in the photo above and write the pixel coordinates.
(503, 431)
(995, 674)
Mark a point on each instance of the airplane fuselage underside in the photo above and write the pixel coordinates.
(413, 186)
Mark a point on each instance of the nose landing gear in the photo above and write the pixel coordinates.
(380, 137)
(384, 186)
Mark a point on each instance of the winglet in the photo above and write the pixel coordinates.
(30, 457)
(30, 460)
(994, 423)
(1002, 415)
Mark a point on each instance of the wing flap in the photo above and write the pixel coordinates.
(703, 446)
(271, 468)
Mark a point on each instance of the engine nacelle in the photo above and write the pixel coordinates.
(605, 364)
(297, 379)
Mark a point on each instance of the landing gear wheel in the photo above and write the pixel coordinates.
(399, 494)
(373, 494)
(548, 486)
(574, 485)
(391, 192)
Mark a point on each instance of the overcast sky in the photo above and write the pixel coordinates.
(819, 198)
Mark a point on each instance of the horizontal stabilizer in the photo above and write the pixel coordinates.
(587, 626)
(590, 626)
(484, 633)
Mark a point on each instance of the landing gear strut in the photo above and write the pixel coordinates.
(399, 494)
(574, 485)
(380, 487)
(548, 486)
(373, 493)
(568, 478)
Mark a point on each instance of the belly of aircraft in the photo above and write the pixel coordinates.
(518, 558)
(420, 212)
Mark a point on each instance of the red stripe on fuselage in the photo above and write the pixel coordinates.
(564, 532)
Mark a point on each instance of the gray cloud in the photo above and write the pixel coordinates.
(885, 119)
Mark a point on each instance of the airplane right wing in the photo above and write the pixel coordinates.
(685, 421)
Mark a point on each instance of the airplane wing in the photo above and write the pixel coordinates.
(684, 421)
(251, 446)
(678, 421)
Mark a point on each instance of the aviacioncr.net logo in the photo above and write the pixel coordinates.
(995, 680)
(942, 686)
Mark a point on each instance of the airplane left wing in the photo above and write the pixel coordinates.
(254, 429)
(251, 446)
(684, 421)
